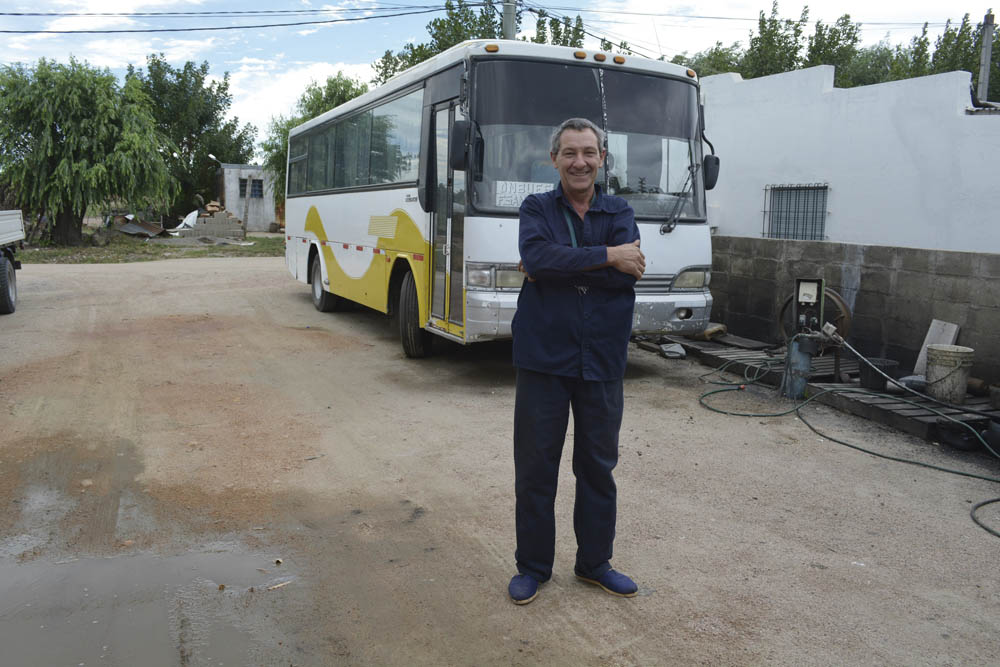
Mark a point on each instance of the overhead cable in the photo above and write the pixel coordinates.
(108, 31)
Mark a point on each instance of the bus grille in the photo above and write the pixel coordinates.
(653, 283)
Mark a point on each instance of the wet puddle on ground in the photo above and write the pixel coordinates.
(206, 608)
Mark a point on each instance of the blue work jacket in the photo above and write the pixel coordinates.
(569, 321)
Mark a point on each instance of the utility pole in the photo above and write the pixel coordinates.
(508, 19)
(986, 58)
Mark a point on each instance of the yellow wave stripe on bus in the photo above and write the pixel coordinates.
(371, 288)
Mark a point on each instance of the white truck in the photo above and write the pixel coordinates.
(11, 238)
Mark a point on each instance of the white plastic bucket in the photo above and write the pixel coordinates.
(948, 372)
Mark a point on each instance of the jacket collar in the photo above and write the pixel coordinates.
(600, 201)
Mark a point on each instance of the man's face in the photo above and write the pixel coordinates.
(578, 160)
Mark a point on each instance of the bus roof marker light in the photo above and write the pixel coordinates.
(600, 57)
(580, 54)
(492, 48)
(691, 73)
(620, 60)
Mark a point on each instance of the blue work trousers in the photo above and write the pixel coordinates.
(541, 414)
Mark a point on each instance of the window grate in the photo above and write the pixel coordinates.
(256, 188)
(795, 212)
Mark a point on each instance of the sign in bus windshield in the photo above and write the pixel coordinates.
(652, 123)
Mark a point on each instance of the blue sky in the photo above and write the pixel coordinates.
(270, 67)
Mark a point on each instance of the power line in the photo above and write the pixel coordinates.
(916, 24)
(106, 31)
(221, 12)
(610, 37)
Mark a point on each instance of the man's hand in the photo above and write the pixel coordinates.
(628, 259)
(520, 267)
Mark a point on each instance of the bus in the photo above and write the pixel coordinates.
(405, 199)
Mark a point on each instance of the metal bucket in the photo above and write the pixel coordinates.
(948, 372)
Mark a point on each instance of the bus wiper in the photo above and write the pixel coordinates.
(675, 212)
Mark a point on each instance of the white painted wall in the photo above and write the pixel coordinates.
(906, 165)
(260, 212)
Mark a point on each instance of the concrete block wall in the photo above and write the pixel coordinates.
(219, 224)
(894, 293)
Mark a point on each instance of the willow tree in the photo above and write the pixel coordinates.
(71, 136)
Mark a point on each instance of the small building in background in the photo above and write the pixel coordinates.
(247, 191)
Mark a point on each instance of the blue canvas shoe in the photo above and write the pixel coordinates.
(613, 582)
(523, 589)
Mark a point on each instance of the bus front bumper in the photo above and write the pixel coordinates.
(488, 314)
(680, 313)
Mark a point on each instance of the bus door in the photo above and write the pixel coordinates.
(447, 291)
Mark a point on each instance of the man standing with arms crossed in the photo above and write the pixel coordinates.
(580, 253)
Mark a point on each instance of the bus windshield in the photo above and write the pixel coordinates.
(651, 122)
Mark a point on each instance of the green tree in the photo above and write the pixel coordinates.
(462, 23)
(918, 55)
(71, 136)
(776, 47)
(959, 48)
(715, 60)
(955, 48)
(459, 23)
(834, 45)
(873, 64)
(621, 47)
(567, 32)
(191, 112)
(541, 28)
(315, 100)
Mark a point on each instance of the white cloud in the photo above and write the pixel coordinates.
(246, 60)
(656, 28)
(120, 6)
(182, 50)
(90, 23)
(262, 91)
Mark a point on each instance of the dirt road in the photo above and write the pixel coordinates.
(198, 468)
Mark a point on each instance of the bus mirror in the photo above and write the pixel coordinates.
(711, 171)
(457, 154)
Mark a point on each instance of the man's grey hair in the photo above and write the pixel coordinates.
(578, 124)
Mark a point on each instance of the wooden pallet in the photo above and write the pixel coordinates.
(766, 367)
(914, 417)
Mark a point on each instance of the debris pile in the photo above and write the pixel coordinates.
(213, 220)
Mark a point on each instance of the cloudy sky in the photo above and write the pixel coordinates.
(270, 66)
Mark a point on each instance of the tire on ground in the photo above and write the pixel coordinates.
(417, 341)
(324, 301)
(8, 286)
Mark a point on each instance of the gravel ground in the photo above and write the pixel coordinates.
(197, 468)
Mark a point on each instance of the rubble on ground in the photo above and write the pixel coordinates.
(212, 221)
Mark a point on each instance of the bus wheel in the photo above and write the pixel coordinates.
(417, 341)
(324, 301)
(8, 286)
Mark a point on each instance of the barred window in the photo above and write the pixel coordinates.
(256, 188)
(795, 211)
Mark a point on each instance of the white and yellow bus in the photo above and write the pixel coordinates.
(406, 198)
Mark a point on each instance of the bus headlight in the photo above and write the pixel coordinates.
(692, 279)
(508, 277)
(492, 276)
(479, 275)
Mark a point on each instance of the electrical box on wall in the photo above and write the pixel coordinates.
(808, 304)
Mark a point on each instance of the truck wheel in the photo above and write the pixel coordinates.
(324, 301)
(417, 341)
(8, 286)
